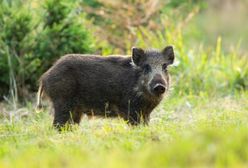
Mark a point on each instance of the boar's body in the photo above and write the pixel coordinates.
(96, 85)
(129, 87)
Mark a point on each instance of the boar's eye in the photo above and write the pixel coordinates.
(147, 68)
(164, 67)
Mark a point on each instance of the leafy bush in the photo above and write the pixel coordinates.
(15, 28)
(32, 39)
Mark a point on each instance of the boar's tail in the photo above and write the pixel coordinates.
(39, 95)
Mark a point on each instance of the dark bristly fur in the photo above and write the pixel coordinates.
(105, 86)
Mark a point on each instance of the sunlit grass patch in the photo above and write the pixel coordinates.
(184, 131)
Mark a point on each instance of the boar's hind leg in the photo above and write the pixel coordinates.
(61, 114)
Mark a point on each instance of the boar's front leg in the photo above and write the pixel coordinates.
(138, 117)
(133, 118)
(146, 118)
(76, 115)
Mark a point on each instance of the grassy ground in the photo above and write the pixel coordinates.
(195, 131)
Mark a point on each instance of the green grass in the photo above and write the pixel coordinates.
(195, 131)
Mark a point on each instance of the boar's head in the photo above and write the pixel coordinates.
(154, 78)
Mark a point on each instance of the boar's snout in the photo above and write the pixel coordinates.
(158, 85)
(159, 89)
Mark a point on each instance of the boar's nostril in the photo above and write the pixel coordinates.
(159, 89)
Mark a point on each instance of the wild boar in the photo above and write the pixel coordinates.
(129, 87)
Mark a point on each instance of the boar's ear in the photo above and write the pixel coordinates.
(138, 56)
(168, 53)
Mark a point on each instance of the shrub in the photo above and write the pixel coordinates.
(32, 39)
(15, 28)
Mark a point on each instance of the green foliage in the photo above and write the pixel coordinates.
(32, 39)
(179, 3)
(56, 12)
(15, 28)
(92, 3)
